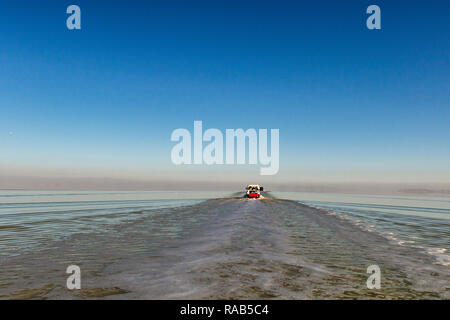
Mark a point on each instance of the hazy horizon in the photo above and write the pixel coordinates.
(112, 184)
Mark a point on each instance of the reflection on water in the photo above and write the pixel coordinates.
(175, 245)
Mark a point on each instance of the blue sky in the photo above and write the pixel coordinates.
(350, 103)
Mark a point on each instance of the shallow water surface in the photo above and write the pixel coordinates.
(135, 246)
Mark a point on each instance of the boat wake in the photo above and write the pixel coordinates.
(235, 248)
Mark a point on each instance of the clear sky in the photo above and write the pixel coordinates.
(351, 104)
